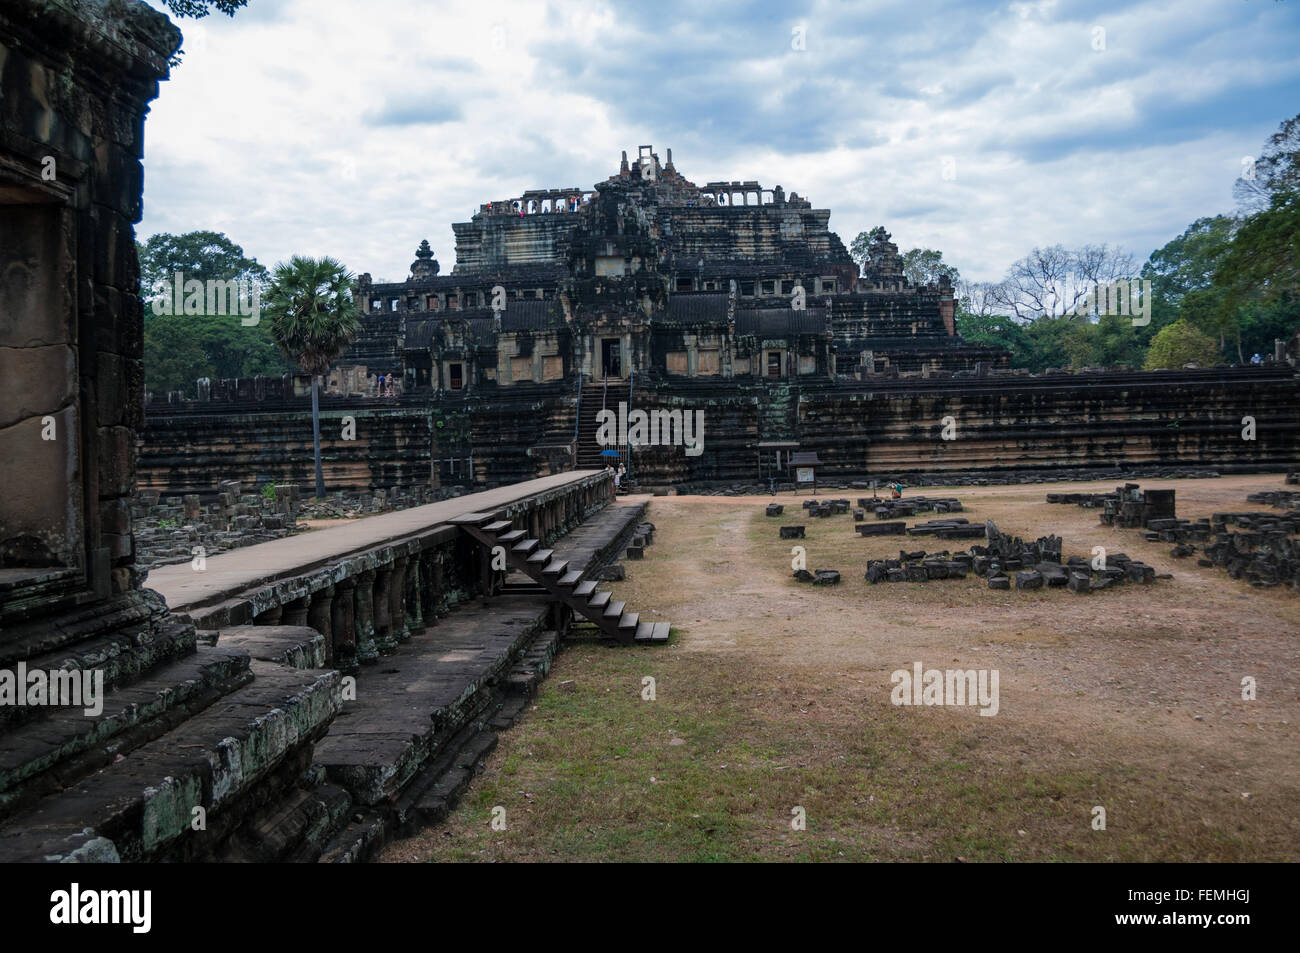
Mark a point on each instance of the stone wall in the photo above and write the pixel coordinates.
(1004, 425)
(75, 81)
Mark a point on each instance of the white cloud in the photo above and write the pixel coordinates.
(319, 126)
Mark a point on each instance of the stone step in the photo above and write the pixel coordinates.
(142, 805)
(628, 620)
(499, 526)
(122, 656)
(541, 557)
(555, 567)
(357, 842)
(614, 610)
(526, 547)
(408, 707)
(511, 537)
(55, 751)
(585, 588)
(652, 632)
(599, 600)
(126, 625)
(570, 578)
(292, 827)
(297, 646)
(472, 519)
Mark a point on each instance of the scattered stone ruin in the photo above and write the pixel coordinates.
(1266, 555)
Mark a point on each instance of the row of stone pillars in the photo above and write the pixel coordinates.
(554, 518)
(368, 614)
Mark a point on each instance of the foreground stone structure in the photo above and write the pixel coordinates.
(226, 725)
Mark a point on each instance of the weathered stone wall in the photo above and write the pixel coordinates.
(191, 446)
(75, 81)
(1002, 424)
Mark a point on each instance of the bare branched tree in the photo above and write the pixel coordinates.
(1050, 282)
(977, 297)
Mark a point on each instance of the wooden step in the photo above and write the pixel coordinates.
(628, 620)
(471, 519)
(571, 578)
(555, 567)
(511, 537)
(614, 610)
(652, 632)
(497, 527)
(599, 600)
(541, 557)
(585, 589)
(526, 547)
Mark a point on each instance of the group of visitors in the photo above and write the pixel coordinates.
(619, 475)
(386, 385)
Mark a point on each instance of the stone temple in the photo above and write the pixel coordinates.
(307, 697)
(728, 300)
(650, 276)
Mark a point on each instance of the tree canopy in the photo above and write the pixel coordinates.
(180, 348)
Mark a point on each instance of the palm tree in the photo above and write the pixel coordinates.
(313, 319)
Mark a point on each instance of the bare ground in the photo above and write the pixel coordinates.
(774, 696)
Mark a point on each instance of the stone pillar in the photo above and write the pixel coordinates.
(397, 600)
(383, 603)
(431, 586)
(271, 616)
(367, 651)
(295, 613)
(320, 617)
(414, 596)
(343, 624)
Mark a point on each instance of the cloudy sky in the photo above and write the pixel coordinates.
(358, 127)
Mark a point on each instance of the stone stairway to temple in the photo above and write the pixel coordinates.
(561, 582)
(778, 411)
(595, 396)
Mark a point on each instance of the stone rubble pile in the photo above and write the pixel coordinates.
(1035, 565)
(1128, 506)
(1282, 499)
(1266, 555)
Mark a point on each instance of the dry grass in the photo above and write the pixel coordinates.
(775, 695)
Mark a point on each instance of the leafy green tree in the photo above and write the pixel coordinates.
(924, 266)
(202, 255)
(1180, 344)
(1263, 262)
(1263, 323)
(313, 317)
(179, 349)
(1109, 341)
(173, 357)
(995, 330)
(860, 247)
(1050, 339)
(197, 9)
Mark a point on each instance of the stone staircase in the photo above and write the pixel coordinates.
(172, 765)
(560, 581)
(778, 411)
(595, 396)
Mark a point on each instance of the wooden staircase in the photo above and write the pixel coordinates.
(563, 583)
